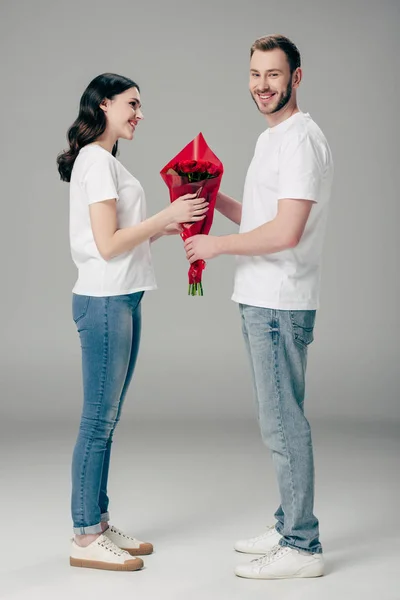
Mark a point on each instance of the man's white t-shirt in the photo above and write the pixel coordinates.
(291, 160)
(97, 176)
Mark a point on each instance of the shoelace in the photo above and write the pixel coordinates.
(267, 558)
(107, 544)
(118, 532)
(263, 535)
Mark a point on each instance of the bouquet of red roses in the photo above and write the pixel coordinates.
(195, 169)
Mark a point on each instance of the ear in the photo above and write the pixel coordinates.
(105, 104)
(297, 77)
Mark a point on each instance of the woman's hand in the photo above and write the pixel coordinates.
(173, 229)
(188, 209)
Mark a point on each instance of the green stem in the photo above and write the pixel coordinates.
(195, 289)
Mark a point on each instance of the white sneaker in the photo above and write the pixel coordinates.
(103, 554)
(261, 544)
(125, 542)
(283, 563)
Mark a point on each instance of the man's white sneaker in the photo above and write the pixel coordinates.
(130, 544)
(283, 563)
(103, 554)
(260, 544)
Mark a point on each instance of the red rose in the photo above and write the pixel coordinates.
(187, 166)
(202, 166)
(213, 170)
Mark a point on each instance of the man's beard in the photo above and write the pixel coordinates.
(282, 102)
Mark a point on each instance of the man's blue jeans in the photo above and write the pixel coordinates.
(277, 342)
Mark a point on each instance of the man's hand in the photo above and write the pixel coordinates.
(201, 247)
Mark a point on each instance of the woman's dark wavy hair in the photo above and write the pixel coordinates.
(91, 120)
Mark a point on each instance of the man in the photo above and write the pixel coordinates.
(282, 225)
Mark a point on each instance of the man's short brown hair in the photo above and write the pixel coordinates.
(270, 42)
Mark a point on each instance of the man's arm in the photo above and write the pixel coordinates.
(300, 175)
(230, 208)
(283, 232)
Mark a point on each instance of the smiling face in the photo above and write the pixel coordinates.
(271, 82)
(123, 113)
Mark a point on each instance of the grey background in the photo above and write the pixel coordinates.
(191, 61)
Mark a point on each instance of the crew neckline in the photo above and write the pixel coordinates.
(285, 124)
(94, 145)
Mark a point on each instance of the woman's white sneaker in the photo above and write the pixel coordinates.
(283, 563)
(126, 542)
(260, 544)
(103, 554)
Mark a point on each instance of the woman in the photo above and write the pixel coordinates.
(110, 245)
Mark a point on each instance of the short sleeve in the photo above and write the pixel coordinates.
(100, 180)
(300, 168)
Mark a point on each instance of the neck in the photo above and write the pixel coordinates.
(106, 141)
(286, 112)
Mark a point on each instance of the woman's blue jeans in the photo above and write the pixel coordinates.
(109, 330)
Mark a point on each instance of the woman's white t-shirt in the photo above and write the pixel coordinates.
(97, 176)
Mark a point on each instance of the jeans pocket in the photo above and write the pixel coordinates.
(80, 305)
(303, 322)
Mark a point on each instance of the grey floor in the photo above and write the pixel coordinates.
(192, 489)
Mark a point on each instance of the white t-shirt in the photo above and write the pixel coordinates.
(96, 176)
(291, 160)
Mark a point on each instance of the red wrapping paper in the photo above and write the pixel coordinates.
(178, 185)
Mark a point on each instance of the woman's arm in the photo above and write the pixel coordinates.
(111, 241)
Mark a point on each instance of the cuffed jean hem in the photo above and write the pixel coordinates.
(88, 530)
(317, 550)
(283, 542)
(105, 517)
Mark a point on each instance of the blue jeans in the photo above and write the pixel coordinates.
(109, 330)
(277, 342)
